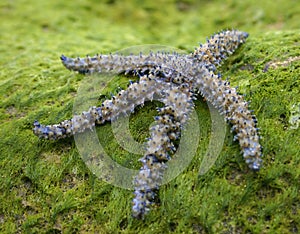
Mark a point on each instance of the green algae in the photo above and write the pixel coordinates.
(46, 187)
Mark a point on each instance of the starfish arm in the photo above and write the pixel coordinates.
(235, 109)
(167, 128)
(123, 103)
(218, 47)
(152, 63)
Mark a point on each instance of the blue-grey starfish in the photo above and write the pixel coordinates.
(178, 79)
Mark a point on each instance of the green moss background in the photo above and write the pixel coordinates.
(46, 188)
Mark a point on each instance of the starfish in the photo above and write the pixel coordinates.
(178, 79)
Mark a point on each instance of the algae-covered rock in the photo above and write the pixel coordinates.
(46, 186)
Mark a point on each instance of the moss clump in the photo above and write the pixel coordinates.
(46, 187)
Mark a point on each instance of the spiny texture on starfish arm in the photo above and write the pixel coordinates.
(167, 128)
(235, 109)
(175, 77)
(219, 46)
(123, 103)
(155, 62)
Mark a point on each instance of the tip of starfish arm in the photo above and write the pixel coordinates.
(245, 34)
(63, 58)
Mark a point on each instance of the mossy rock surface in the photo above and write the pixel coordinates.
(45, 187)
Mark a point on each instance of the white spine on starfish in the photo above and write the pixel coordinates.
(159, 148)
